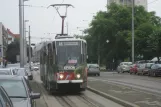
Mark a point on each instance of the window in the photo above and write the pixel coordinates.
(153, 67)
(1, 102)
(14, 87)
(5, 98)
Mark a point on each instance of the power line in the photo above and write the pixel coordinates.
(35, 6)
(153, 2)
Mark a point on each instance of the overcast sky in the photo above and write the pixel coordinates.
(44, 21)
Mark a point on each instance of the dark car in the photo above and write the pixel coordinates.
(5, 101)
(155, 70)
(147, 68)
(19, 90)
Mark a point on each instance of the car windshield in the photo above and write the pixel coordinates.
(128, 63)
(21, 72)
(148, 65)
(93, 66)
(5, 72)
(14, 88)
(158, 65)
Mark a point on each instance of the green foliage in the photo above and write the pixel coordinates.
(13, 50)
(115, 26)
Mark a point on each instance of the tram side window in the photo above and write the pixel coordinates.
(54, 54)
(50, 55)
(85, 57)
(84, 51)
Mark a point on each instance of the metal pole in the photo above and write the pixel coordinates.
(2, 51)
(29, 49)
(63, 18)
(67, 28)
(21, 30)
(24, 42)
(133, 35)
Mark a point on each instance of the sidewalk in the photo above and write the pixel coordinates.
(127, 94)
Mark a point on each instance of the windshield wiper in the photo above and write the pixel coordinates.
(17, 97)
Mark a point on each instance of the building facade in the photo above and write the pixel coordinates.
(3, 41)
(129, 2)
(12, 36)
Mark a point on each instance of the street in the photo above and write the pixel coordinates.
(143, 91)
(84, 99)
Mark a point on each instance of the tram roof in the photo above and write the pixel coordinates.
(70, 39)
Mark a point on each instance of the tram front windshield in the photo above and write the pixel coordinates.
(69, 52)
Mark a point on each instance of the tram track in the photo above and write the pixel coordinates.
(65, 101)
(83, 99)
(89, 102)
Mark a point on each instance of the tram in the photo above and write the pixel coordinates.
(63, 64)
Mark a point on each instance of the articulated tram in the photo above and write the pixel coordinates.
(63, 64)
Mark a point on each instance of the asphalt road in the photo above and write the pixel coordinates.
(141, 90)
(84, 99)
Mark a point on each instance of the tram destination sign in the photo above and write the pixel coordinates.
(65, 43)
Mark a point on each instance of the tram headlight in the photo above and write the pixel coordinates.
(61, 76)
(78, 76)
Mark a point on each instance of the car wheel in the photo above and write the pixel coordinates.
(154, 74)
(138, 73)
(142, 73)
(98, 74)
(149, 74)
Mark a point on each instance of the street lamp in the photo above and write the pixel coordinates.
(21, 29)
(133, 51)
(107, 41)
(25, 43)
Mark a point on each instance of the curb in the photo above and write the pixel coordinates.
(112, 98)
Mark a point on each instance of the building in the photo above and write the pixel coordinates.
(3, 41)
(12, 36)
(129, 2)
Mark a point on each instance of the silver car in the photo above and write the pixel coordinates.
(124, 67)
(6, 71)
(22, 72)
(93, 69)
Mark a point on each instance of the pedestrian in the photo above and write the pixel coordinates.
(5, 63)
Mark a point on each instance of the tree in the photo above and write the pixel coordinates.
(115, 26)
(12, 51)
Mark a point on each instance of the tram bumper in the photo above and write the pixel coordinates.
(69, 81)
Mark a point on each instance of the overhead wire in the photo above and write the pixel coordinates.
(152, 2)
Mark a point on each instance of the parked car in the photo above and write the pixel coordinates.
(155, 70)
(22, 72)
(36, 68)
(147, 68)
(134, 69)
(5, 101)
(124, 67)
(140, 69)
(30, 75)
(19, 90)
(93, 69)
(6, 71)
